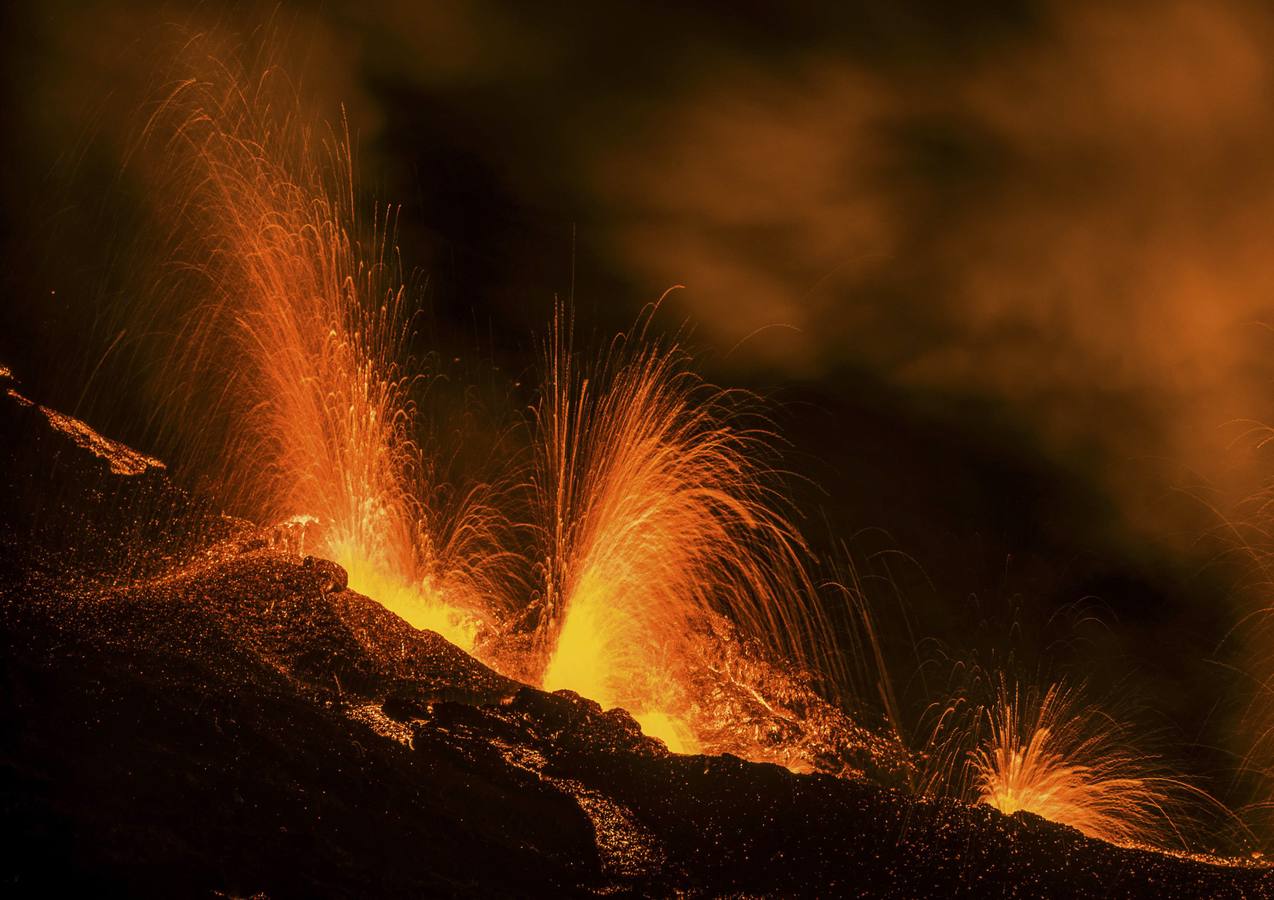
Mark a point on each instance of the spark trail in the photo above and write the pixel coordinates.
(657, 514)
(1055, 756)
(297, 340)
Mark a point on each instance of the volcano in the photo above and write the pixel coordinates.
(193, 706)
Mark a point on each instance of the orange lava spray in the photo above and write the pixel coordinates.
(298, 342)
(1053, 755)
(656, 513)
(664, 547)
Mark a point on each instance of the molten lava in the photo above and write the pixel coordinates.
(655, 513)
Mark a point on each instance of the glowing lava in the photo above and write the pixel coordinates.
(654, 509)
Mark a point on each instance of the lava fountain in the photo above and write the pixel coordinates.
(1053, 755)
(298, 342)
(656, 514)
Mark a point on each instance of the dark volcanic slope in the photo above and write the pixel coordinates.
(245, 724)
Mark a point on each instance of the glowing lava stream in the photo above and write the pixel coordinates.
(416, 604)
(584, 660)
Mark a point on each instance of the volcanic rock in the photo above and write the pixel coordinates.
(78, 502)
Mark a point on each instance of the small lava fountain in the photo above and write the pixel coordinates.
(1055, 756)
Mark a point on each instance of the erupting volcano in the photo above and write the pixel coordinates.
(654, 522)
(366, 630)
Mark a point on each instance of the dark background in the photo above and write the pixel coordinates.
(1000, 273)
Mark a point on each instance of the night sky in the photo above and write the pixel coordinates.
(1000, 273)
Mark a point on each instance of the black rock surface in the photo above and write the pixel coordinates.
(226, 718)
